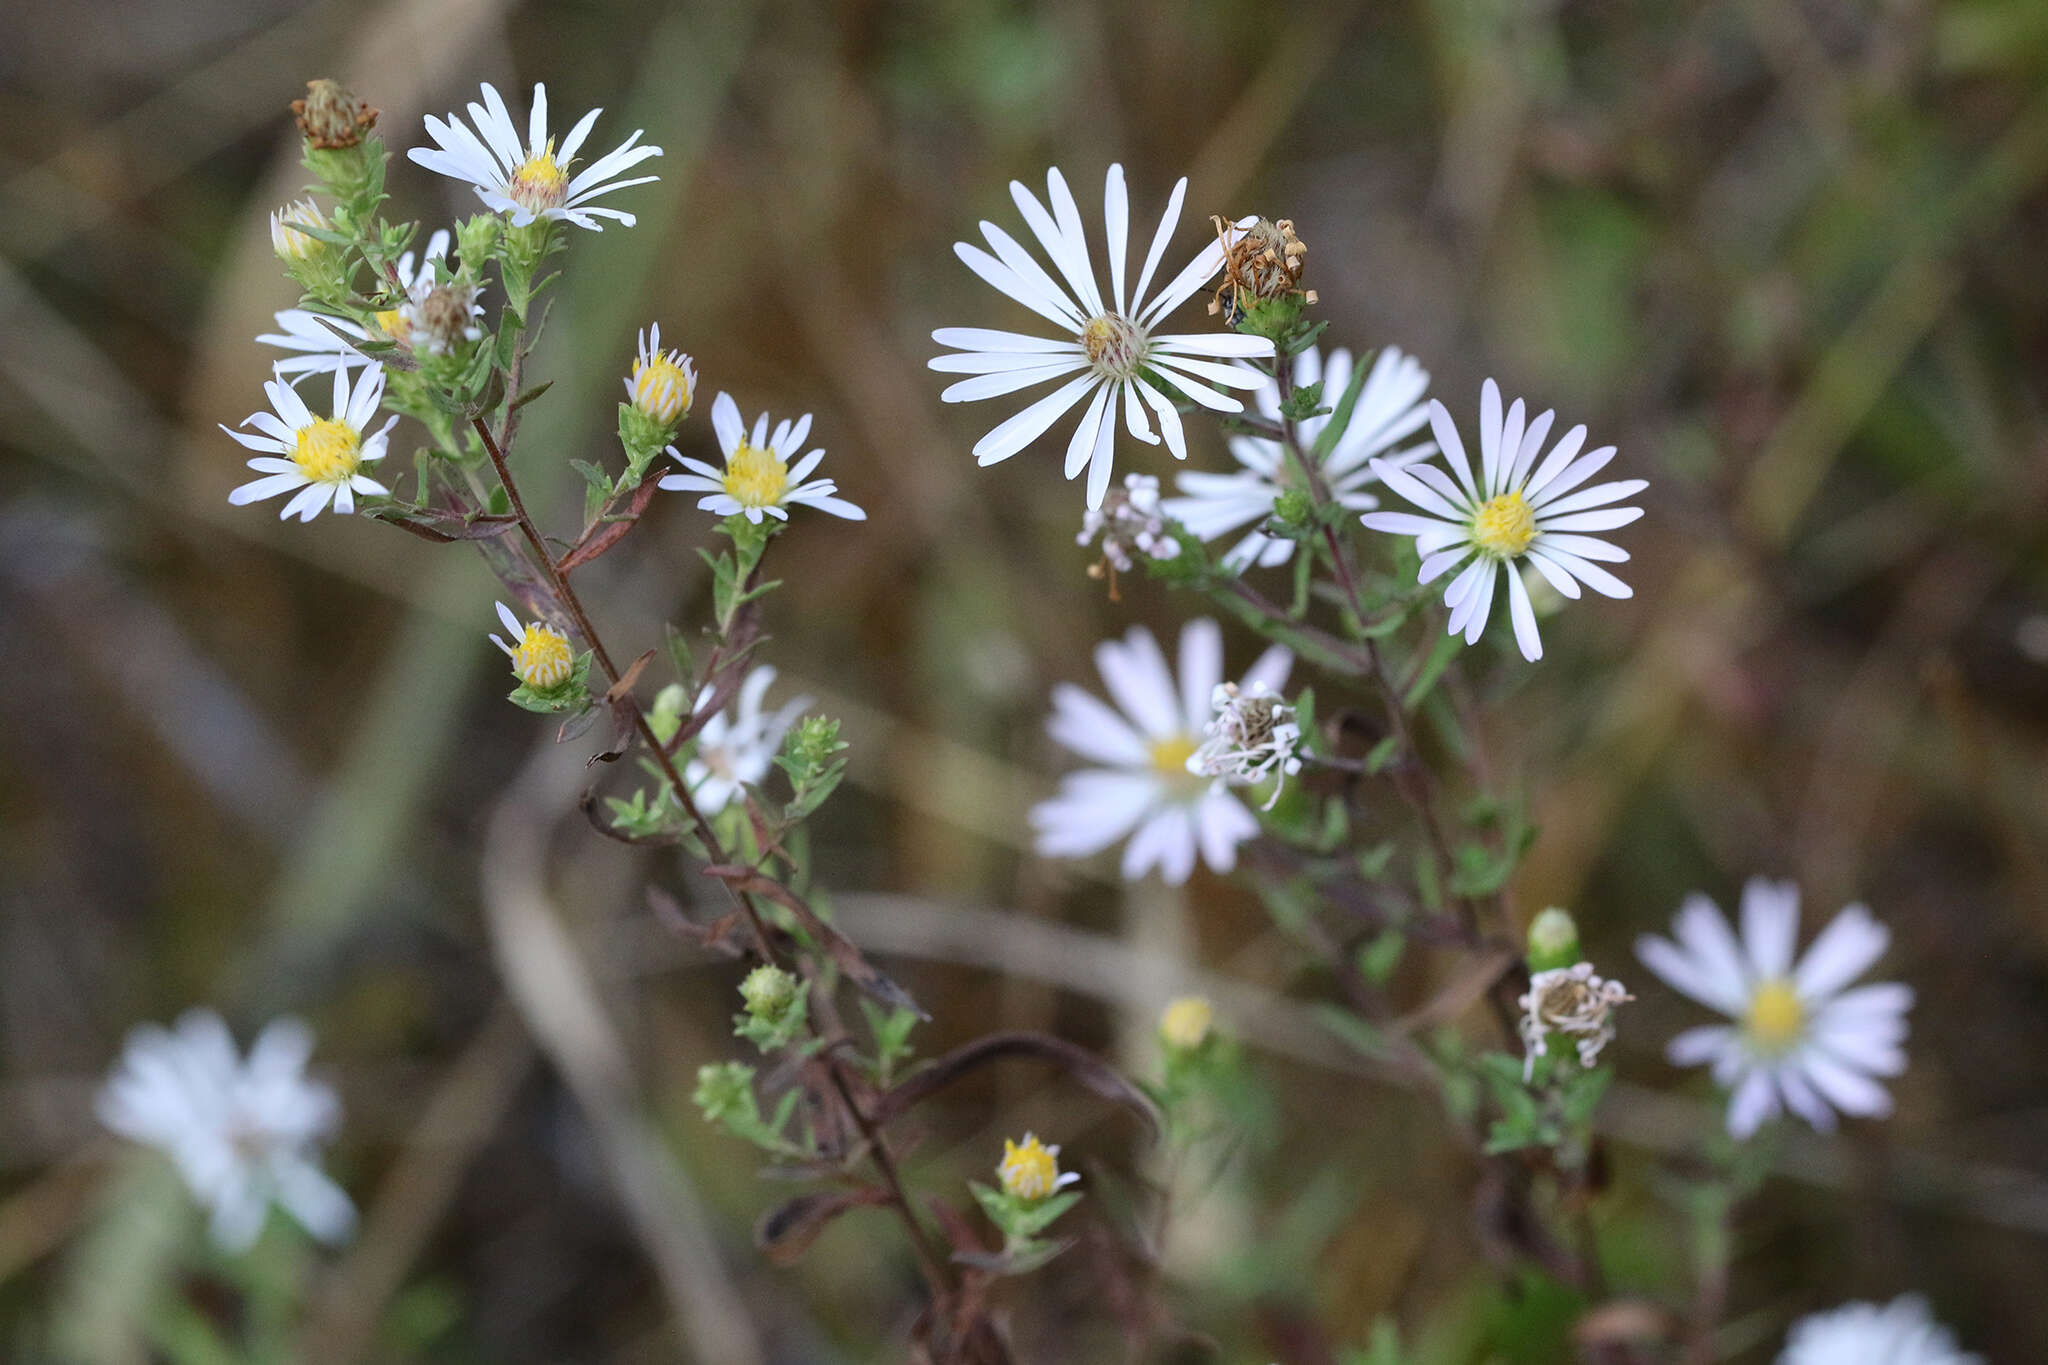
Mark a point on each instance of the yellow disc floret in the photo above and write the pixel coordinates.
(1030, 1170)
(1114, 345)
(755, 477)
(329, 451)
(539, 184)
(1170, 755)
(542, 658)
(1504, 526)
(661, 390)
(1184, 1025)
(1776, 1018)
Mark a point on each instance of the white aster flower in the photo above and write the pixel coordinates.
(1389, 410)
(1800, 1040)
(1105, 348)
(541, 656)
(530, 179)
(1574, 1001)
(322, 456)
(1901, 1332)
(663, 382)
(736, 748)
(1144, 784)
(757, 479)
(243, 1133)
(1253, 736)
(321, 342)
(1518, 510)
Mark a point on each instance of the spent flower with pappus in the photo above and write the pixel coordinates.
(1516, 511)
(244, 1132)
(529, 179)
(758, 478)
(1902, 1332)
(737, 747)
(1263, 261)
(320, 457)
(1107, 352)
(1143, 787)
(1389, 409)
(1128, 523)
(1575, 1002)
(331, 118)
(1253, 736)
(1799, 1040)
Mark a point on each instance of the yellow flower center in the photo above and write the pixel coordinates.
(542, 658)
(661, 390)
(392, 322)
(755, 477)
(1030, 1171)
(1504, 525)
(288, 240)
(328, 451)
(1170, 756)
(1776, 1019)
(1114, 344)
(1185, 1024)
(539, 184)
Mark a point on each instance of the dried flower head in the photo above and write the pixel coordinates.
(1128, 521)
(1260, 262)
(1572, 1001)
(1031, 1169)
(443, 318)
(331, 116)
(1185, 1023)
(1254, 736)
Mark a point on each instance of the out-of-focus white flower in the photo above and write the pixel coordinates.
(1252, 737)
(1143, 788)
(1800, 1040)
(757, 479)
(1031, 1169)
(663, 382)
(1129, 522)
(530, 179)
(1573, 1001)
(1388, 411)
(1105, 350)
(320, 342)
(1517, 510)
(736, 748)
(322, 456)
(1901, 1332)
(243, 1133)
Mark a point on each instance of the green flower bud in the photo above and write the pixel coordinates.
(476, 240)
(1294, 507)
(725, 1090)
(768, 992)
(1553, 940)
(812, 743)
(666, 716)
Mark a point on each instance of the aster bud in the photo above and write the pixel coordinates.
(768, 991)
(331, 117)
(666, 715)
(1185, 1023)
(1553, 940)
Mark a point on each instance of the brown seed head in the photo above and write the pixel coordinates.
(1265, 261)
(331, 117)
(445, 314)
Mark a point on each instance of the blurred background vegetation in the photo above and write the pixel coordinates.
(1788, 254)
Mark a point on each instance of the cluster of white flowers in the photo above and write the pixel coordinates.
(1253, 736)
(1800, 1041)
(1143, 787)
(244, 1133)
(1129, 522)
(1574, 1001)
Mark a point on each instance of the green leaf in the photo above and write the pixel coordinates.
(1440, 656)
(1340, 416)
